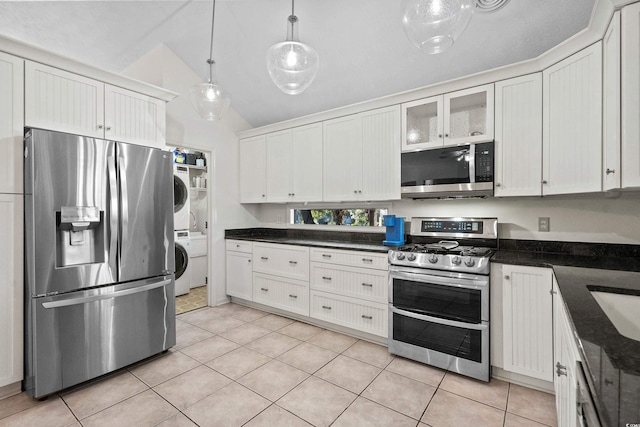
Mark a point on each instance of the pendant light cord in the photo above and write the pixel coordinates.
(292, 20)
(210, 61)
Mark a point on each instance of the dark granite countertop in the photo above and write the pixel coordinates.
(612, 360)
(355, 241)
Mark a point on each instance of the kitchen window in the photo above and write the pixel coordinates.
(362, 217)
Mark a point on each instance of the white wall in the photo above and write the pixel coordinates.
(580, 218)
(163, 68)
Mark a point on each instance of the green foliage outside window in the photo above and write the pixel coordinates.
(353, 217)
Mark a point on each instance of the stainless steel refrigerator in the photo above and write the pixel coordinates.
(99, 257)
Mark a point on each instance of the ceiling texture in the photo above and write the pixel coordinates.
(363, 51)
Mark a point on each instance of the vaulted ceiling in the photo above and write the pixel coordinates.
(364, 53)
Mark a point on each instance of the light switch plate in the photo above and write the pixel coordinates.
(543, 223)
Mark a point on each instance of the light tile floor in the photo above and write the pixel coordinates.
(235, 365)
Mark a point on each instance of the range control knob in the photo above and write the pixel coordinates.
(433, 259)
(470, 262)
(411, 257)
(400, 256)
(456, 260)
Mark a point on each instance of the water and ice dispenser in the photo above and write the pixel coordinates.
(80, 236)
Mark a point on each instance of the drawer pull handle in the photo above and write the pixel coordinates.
(264, 289)
(264, 258)
(367, 260)
(293, 262)
(326, 256)
(364, 316)
(326, 278)
(293, 296)
(326, 307)
(237, 246)
(369, 285)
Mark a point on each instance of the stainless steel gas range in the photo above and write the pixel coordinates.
(439, 294)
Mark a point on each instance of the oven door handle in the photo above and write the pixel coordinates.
(447, 322)
(437, 280)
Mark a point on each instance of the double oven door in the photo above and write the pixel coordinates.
(440, 318)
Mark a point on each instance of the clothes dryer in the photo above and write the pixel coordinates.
(181, 203)
(183, 273)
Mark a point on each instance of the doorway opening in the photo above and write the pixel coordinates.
(191, 219)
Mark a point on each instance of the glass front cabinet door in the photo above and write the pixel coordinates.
(455, 118)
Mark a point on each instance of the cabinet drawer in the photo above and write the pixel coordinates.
(352, 258)
(356, 282)
(287, 294)
(281, 260)
(239, 246)
(364, 316)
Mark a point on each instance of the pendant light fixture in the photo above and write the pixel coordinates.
(209, 99)
(434, 25)
(292, 65)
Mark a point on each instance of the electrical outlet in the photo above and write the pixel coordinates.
(543, 223)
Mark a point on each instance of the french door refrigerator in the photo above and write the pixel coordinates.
(99, 257)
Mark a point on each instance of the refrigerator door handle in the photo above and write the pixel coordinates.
(92, 298)
(113, 210)
(124, 209)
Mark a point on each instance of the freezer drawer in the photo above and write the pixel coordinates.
(81, 335)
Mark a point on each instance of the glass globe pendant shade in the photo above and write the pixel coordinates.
(434, 25)
(292, 66)
(210, 100)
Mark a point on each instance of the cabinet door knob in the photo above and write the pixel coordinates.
(609, 171)
(100, 127)
(498, 184)
(446, 135)
(439, 135)
(107, 128)
(355, 191)
(544, 181)
(248, 260)
(507, 277)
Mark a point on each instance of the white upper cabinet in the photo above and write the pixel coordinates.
(11, 123)
(253, 169)
(518, 136)
(455, 118)
(134, 118)
(294, 164)
(342, 158)
(361, 156)
(66, 102)
(631, 96)
(572, 124)
(63, 101)
(611, 105)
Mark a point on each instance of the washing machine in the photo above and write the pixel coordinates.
(180, 197)
(183, 273)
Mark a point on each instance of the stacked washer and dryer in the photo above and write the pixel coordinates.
(181, 219)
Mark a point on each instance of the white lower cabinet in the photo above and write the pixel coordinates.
(527, 305)
(11, 289)
(281, 260)
(283, 293)
(239, 269)
(350, 288)
(565, 358)
(350, 312)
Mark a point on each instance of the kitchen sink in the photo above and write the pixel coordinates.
(622, 310)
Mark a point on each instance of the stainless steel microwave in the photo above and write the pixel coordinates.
(448, 172)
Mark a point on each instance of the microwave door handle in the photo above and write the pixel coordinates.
(447, 322)
(472, 163)
(445, 281)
